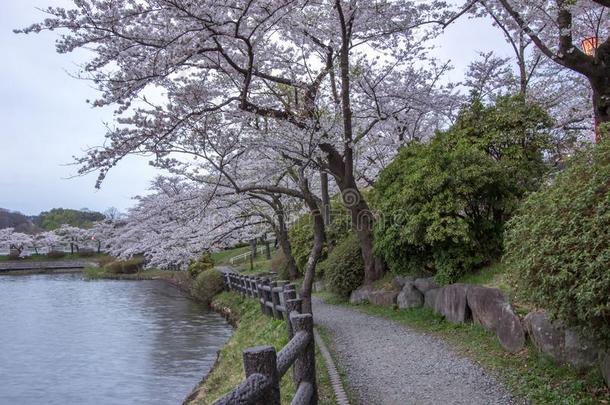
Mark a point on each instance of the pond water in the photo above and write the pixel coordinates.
(64, 340)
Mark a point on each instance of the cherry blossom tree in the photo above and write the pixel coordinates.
(555, 28)
(14, 240)
(342, 73)
(45, 240)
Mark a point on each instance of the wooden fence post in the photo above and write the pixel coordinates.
(266, 297)
(263, 360)
(275, 299)
(305, 364)
(292, 305)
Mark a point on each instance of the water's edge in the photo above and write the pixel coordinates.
(232, 319)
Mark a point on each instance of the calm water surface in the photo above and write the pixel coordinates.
(64, 340)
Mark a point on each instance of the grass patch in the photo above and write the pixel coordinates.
(253, 329)
(180, 279)
(223, 256)
(494, 275)
(384, 283)
(340, 369)
(528, 374)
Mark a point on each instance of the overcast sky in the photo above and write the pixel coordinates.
(45, 119)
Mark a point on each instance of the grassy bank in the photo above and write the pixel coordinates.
(179, 279)
(528, 374)
(253, 329)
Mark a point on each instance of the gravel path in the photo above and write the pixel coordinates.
(389, 364)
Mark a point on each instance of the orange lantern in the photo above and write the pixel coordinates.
(589, 45)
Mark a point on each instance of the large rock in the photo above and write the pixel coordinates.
(604, 366)
(360, 296)
(490, 308)
(409, 297)
(579, 352)
(383, 297)
(547, 336)
(430, 298)
(425, 284)
(453, 304)
(399, 281)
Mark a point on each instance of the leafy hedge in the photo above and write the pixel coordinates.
(558, 245)
(443, 205)
(279, 265)
(129, 266)
(205, 262)
(344, 268)
(207, 284)
(301, 233)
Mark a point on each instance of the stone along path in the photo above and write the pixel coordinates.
(389, 364)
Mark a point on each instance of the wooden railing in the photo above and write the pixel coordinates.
(263, 366)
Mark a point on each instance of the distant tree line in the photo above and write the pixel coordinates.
(48, 220)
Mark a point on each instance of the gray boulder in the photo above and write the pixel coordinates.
(547, 336)
(360, 296)
(579, 352)
(399, 281)
(453, 304)
(409, 297)
(490, 309)
(425, 284)
(430, 298)
(383, 297)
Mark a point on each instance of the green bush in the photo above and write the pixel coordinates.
(86, 252)
(279, 265)
(558, 245)
(301, 233)
(344, 268)
(204, 263)
(56, 254)
(443, 205)
(207, 284)
(129, 266)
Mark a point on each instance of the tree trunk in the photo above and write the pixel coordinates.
(281, 236)
(601, 102)
(267, 250)
(325, 197)
(314, 257)
(253, 252)
(363, 222)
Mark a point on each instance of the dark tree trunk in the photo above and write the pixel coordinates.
(325, 197)
(253, 252)
(361, 216)
(267, 250)
(281, 235)
(319, 235)
(601, 101)
(362, 223)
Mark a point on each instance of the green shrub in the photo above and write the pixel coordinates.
(279, 265)
(344, 268)
(105, 260)
(129, 266)
(204, 263)
(207, 284)
(558, 245)
(444, 204)
(56, 254)
(301, 233)
(86, 252)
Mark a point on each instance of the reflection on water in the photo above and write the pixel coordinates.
(68, 341)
